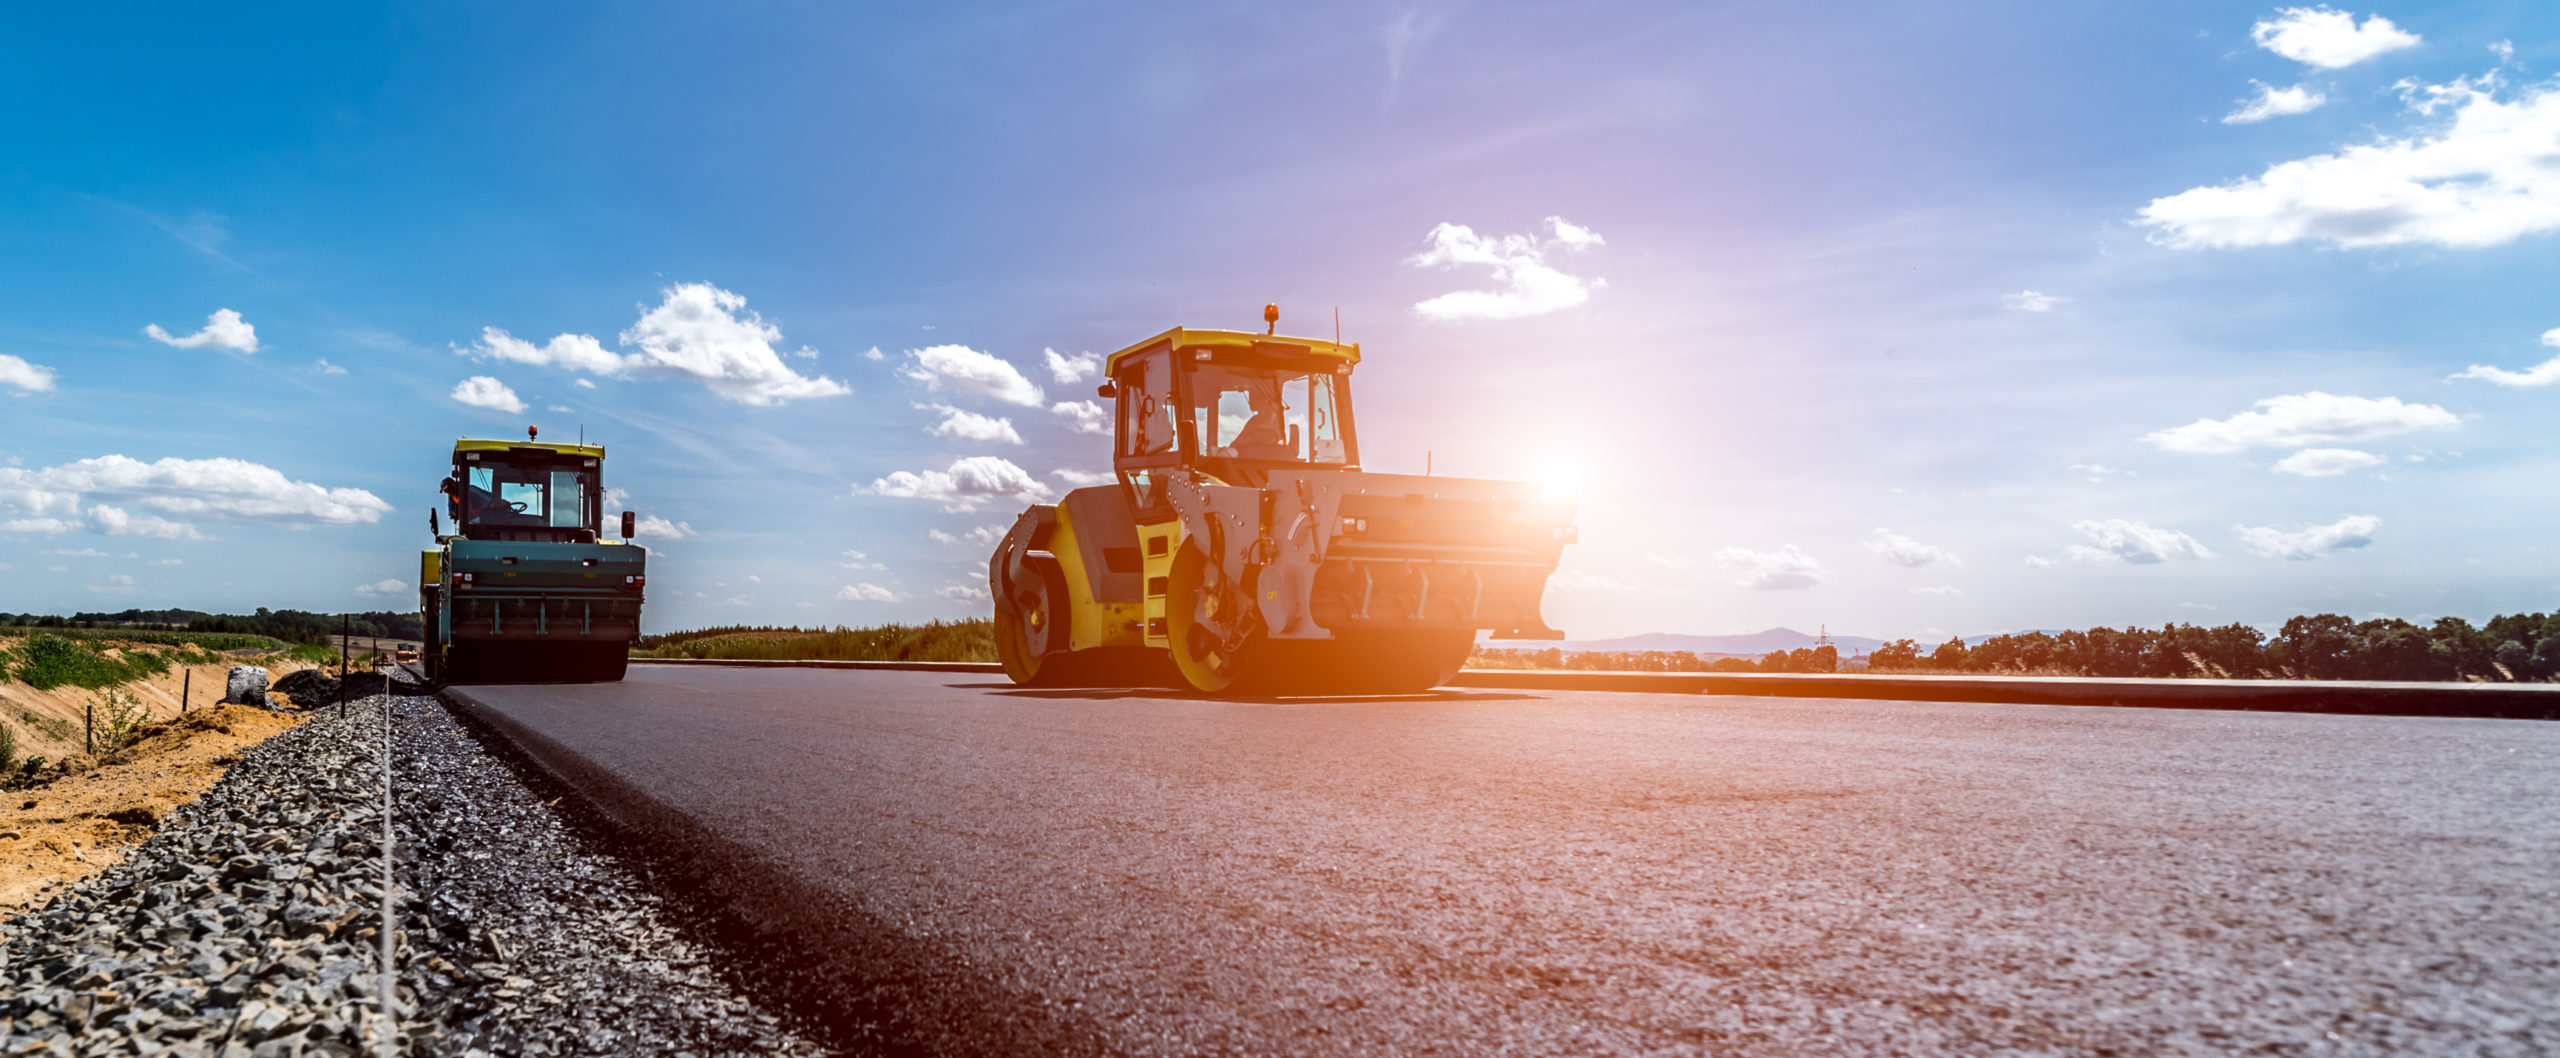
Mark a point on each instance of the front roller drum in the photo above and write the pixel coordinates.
(1354, 662)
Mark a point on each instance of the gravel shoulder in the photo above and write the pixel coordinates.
(248, 922)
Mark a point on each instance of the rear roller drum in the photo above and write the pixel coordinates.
(1031, 625)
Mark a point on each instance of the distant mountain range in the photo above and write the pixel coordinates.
(1751, 644)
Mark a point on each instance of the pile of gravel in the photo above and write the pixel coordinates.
(313, 688)
(247, 923)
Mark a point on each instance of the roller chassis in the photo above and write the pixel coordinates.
(1313, 579)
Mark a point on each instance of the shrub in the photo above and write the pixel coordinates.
(119, 718)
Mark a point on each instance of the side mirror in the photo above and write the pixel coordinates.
(630, 525)
(1107, 390)
(435, 526)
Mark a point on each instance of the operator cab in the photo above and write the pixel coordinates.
(527, 491)
(1231, 405)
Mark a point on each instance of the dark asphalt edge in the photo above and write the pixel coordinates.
(2487, 701)
(817, 663)
(862, 984)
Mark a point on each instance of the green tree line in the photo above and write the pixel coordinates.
(2512, 647)
(292, 626)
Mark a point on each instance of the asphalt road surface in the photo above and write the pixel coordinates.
(956, 865)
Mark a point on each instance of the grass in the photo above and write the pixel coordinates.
(47, 662)
(934, 641)
(207, 641)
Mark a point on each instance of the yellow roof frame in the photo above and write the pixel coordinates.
(477, 445)
(1181, 338)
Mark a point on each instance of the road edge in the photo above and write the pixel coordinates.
(868, 986)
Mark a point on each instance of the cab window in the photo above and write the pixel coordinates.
(1146, 406)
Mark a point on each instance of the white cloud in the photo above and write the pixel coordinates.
(2345, 534)
(1905, 551)
(1942, 590)
(983, 535)
(2034, 300)
(2542, 374)
(1084, 416)
(874, 354)
(971, 426)
(2274, 102)
(26, 377)
(1083, 478)
(383, 589)
(1069, 370)
(114, 521)
(2038, 562)
(586, 383)
(697, 331)
(657, 528)
(323, 366)
(1780, 570)
(853, 560)
(2304, 419)
(574, 352)
(222, 330)
(2328, 38)
(1577, 580)
(2326, 462)
(168, 561)
(116, 584)
(86, 552)
(74, 496)
(706, 334)
(969, 483)
(2100, 472)
(2481, 179)
(1529, 286)
(973, 373)
(867, 593)
(962, 592)
(481, 391)
(2119, 540)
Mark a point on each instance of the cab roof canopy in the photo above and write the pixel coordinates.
(1181, 338)
(530, 447)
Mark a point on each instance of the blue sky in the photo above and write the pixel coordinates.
(1901, 318)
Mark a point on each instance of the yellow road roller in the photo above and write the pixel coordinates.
(1243, 542)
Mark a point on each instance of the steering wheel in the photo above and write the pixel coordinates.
(516, 506)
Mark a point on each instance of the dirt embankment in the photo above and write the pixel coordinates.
(81, 824)
(47, 722)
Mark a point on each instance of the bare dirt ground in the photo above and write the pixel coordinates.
(82, 824)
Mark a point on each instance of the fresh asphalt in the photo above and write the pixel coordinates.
(941, 863)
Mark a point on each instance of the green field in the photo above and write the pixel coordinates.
(934, 641)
